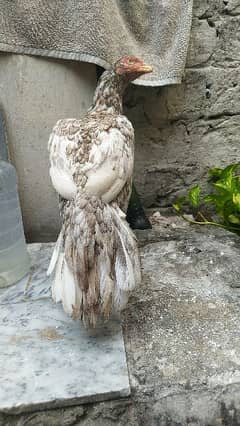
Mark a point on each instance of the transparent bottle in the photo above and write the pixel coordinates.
(14, 259)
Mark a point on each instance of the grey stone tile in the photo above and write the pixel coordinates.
(36, 285)
(48, 359)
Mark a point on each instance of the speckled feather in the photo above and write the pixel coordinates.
(95, 263)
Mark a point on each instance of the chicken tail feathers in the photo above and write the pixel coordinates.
(95, 263)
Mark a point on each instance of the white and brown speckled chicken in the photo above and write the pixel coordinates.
(95, 263)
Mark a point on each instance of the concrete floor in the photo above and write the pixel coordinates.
(182, 338)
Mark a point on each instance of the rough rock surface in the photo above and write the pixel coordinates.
(183, 130)
(181, 333)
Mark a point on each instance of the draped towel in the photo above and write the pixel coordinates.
(101, 31)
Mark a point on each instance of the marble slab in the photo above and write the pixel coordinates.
(36, 285)
(47, 359)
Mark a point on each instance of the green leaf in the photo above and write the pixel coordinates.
(226, 182)
(230, 170)
(210, 198)
(237, 183)
(215, 172)
(225, 198)
(236, 200)
(178, 205)
(234, 219)
(194, 196)
(227, 179)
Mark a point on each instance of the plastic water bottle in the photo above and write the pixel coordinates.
(14, 259)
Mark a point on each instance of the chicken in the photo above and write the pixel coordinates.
(95, 263)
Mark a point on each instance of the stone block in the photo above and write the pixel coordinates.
(202, 43)
(227, 52)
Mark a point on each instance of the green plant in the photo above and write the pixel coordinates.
(224, 197)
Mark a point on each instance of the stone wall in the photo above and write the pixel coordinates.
(183, 130)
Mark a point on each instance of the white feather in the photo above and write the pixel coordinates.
(63, 183)
(61, 171)
(120, 299)
(56, 251)
(69, 289)
(57, 284)
(129, 283)
(106, 283)
(110, 166)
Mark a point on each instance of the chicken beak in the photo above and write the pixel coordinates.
(144, 69)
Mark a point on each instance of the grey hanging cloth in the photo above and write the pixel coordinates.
(101, 31)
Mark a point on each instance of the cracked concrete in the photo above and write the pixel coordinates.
(182, 338)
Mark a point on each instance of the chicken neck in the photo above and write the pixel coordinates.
(108, 94)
